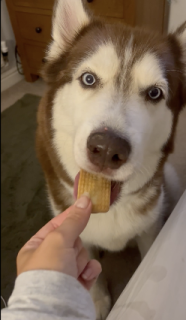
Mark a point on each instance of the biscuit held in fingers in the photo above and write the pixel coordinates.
(98, 188)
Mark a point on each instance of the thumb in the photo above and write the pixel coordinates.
(75, 221)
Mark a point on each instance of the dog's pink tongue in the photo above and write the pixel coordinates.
(115, 189)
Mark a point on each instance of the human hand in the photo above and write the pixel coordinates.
(57, 246)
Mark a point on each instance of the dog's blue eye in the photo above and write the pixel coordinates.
(154, 93)
(88, 79)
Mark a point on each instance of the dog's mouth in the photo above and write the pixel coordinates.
(115, 189)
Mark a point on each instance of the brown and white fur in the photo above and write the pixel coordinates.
(127, 62)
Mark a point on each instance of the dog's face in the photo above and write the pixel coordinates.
(118, 93)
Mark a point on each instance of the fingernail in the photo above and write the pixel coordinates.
(82, 202)
(87, 274)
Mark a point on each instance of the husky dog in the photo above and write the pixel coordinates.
(111, 108)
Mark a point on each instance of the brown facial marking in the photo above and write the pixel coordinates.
(53, 169)
(170, 55)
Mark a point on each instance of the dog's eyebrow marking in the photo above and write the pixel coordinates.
(147, 72)
(104, 62)
(126, 62)
(162, 85)
(128, 51)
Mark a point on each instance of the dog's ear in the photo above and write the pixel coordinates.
(68, 19)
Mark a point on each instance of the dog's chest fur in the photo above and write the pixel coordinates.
(123, 222)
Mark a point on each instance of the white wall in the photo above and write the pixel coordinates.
(177, 13)
(6, 28)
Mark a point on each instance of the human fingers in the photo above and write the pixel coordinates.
(56, 222)
(82, 260)
(90, 274)
(78, 246)
(75, 221)
(38, 238)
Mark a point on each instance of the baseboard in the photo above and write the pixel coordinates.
(9, 78)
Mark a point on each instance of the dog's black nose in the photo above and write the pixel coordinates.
(107, 150)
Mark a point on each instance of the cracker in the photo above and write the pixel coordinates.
(98, 188)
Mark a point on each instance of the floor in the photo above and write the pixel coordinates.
(11, 95)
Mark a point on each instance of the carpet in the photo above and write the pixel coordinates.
(24, 203)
